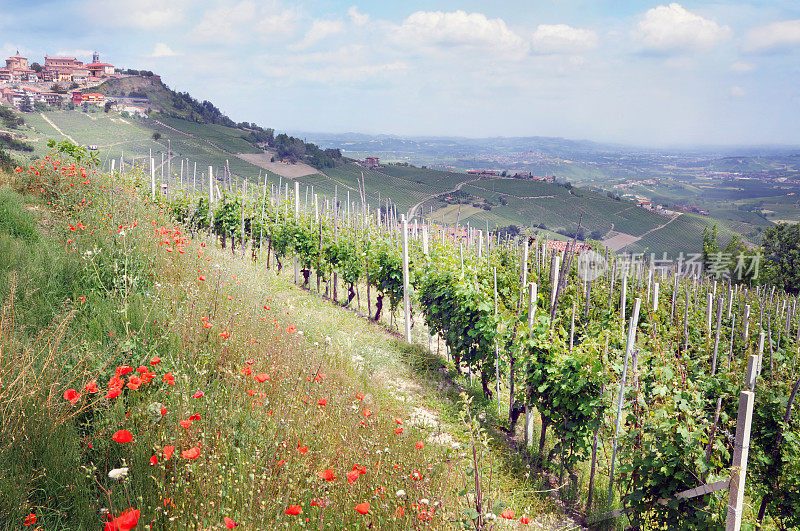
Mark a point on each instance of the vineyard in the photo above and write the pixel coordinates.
(658, 397)
(634, 393)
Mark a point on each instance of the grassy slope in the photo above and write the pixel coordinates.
(249, 469)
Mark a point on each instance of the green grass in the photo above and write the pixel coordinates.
(142, 301)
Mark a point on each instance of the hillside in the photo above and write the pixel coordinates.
(199, 388)
(198, 134)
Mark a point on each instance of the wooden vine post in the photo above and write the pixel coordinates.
(406, 294)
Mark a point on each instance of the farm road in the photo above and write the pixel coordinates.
(62, 133)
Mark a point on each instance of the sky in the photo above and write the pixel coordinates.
(636, 72)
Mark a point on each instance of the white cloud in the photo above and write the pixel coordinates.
(359, 19)
(333, 74)
(777, 36)
(560, 38)
(141, 14)
(245, 20)
(74, 52)
(737, 91)
(281, 23)
(458, 29)
(742, 66)
(320, 29)
(162, 50)
(672, 28)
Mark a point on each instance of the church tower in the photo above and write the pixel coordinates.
(95, 57)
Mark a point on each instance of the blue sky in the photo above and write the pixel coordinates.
(639, 72)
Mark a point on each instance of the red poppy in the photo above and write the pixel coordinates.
(399, 512)
(294, 510)
(198, 394)
(367, 413)
(114, 392)
(302, 449)
(318, 502)
(155, 361)
(191, 453)
(31, 518)
(398, 431)
(524, 520)
(91, 387)
(420, 445)
(194, 417)
(327, 475)
(187, 423)
(72, 396)
(153, 461)
(261, 377)
(122, 436)
(83, 299)
(416, 476)
(224, 335)
(168, 451)
(163, 410)
(352, 476)
(360, 396)
(362, 508)
(229, 524)
(398, 421)
(126, 521)
(322, 402)
(122, 370)
(508, 514)
(247, 371)
(169, 379)
(202, 278)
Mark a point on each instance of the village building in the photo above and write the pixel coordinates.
(371, 162)
(79, 98)
(17, 69)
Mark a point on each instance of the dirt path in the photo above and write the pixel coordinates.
(289, 171)
(413, 210)
(62, 133)
(622, 239)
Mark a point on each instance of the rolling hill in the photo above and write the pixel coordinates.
(198, 135)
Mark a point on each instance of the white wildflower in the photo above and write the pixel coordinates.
(118, 473)
(401, 493)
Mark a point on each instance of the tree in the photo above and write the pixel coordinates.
(156, 136)
(58, 89)
(781, 245)
(107, 106)
(27, 104)
(36, 67)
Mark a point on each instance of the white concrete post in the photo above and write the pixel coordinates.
(210, 187)
(628, 350)
(406, 294)
(533, 294)
(153, 178)
(741, 448)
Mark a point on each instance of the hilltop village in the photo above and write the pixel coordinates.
(60, 81)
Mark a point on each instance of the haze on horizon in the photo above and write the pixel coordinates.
(646, 73)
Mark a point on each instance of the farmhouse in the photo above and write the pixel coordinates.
(371, 162)
(133, 110)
